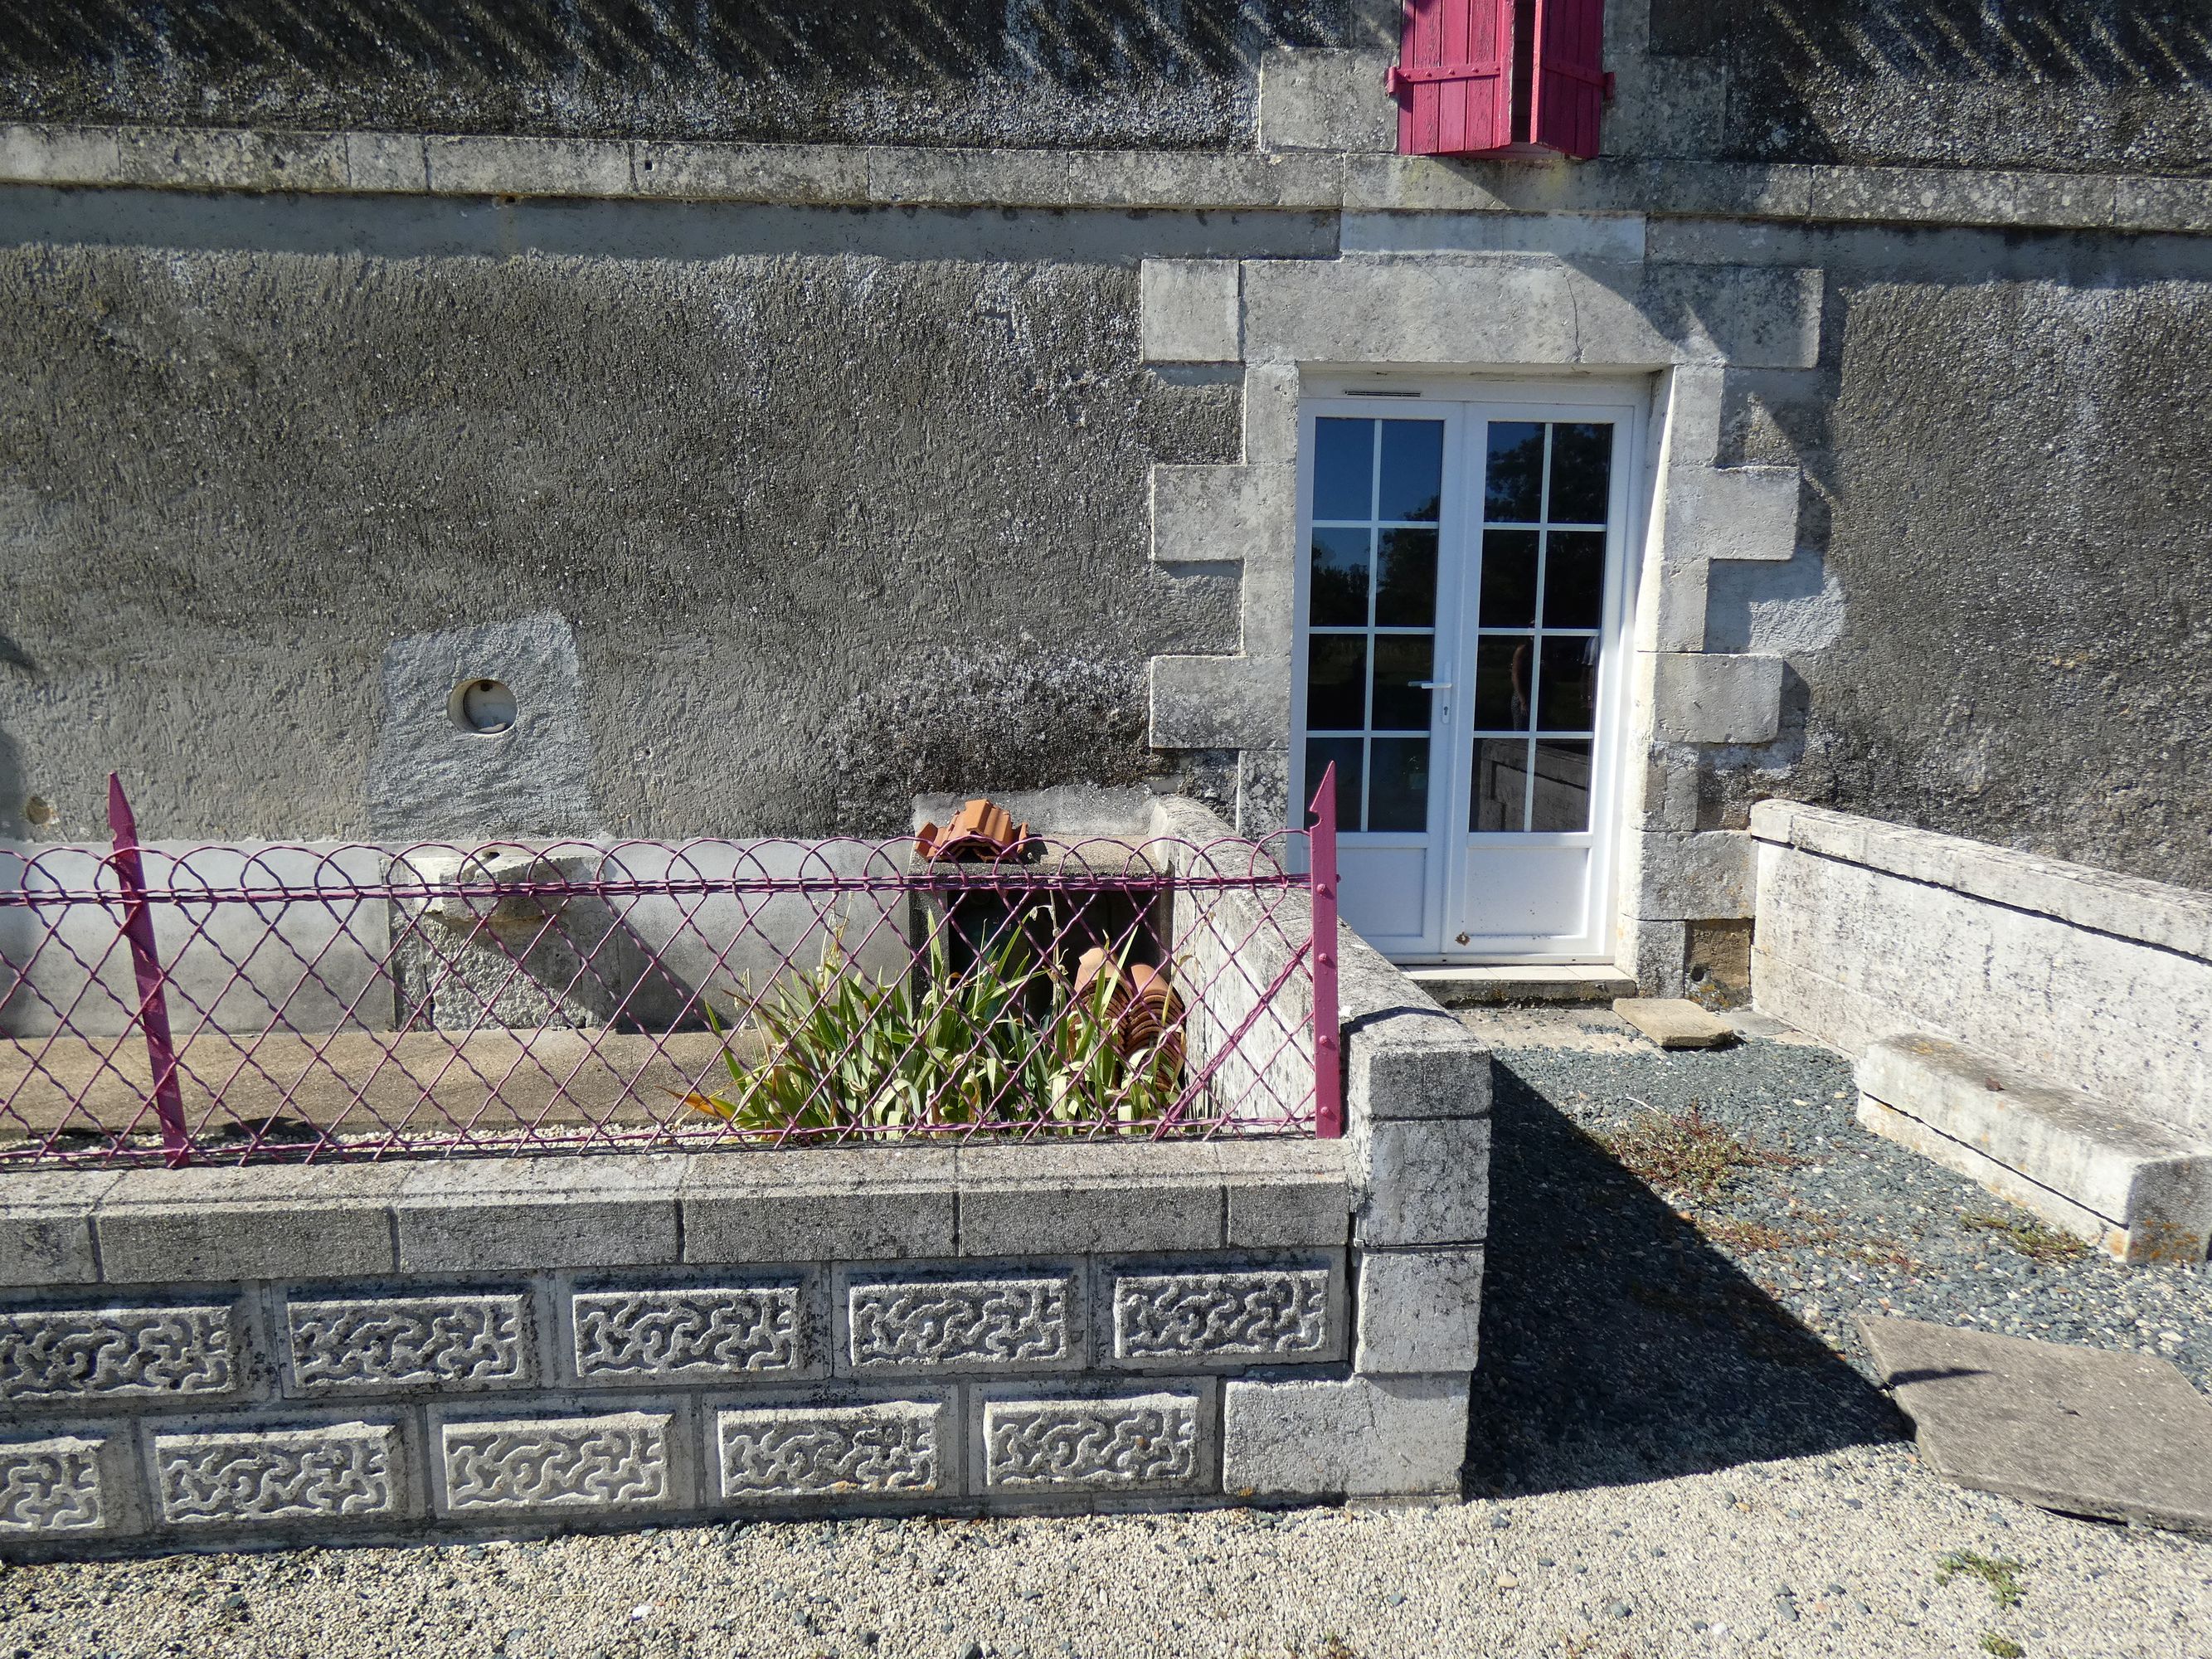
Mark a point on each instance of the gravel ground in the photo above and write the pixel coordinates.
(1669, 1456)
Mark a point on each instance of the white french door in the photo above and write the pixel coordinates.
(1462, 661)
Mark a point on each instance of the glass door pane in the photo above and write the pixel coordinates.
(1371, 618)
(1547, 487)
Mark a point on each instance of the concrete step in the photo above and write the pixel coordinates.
(2137, 1189)
(1673, 1022)
(1494, 986)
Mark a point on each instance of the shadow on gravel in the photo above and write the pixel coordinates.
(1617, 1345)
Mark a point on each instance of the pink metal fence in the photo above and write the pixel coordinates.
(248, 1003)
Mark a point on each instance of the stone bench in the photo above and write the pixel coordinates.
(2137, 1187)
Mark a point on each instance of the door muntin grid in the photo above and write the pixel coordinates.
(1541, 614)
(1371, 616)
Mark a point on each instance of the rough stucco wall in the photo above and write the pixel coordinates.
(1150, 74)
(2020, 594)
(2070, 85)
(828, 530)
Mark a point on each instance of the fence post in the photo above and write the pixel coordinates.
(1328, 1055)
(153, 1002)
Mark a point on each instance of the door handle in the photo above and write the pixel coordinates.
(1433, 685)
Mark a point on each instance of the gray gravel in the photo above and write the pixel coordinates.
(1676, 1451)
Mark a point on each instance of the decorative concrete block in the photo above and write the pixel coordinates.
(962, 1325)
(1731, 512)
(350, 1471)
(781, 1453)
(1125, 1442)
(1243, 1315)
(95, 1355)
(51, 1486)
(552, 1465)
(1189, 311)
(818, 1205)
(452, 1343)
(1326, 101)
(1420, 1311)
(693, 1333)
(1711, 698)
(1426, 1181)
(1223, 514)
(1363, 1436)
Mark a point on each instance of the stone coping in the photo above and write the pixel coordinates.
(2177, 919)
(60, 1228)
(227, 159)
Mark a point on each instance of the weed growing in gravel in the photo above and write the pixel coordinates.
(2028, 1236)
(1736, 1233)
(1680, 1152)
(2000, 1573)
(2002, 1646)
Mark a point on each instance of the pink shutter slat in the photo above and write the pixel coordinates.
(1451, 82)
(1570, 90)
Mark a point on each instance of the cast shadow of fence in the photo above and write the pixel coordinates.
(1617, 1345)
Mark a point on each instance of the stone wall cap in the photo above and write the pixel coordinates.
(2177, 919)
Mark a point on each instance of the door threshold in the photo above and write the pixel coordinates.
(1495, 984)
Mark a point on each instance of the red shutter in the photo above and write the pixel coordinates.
(1451, 82)
(1570, 76)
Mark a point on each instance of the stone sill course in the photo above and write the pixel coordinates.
(379, 163)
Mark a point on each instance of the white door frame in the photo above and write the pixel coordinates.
(1467, 403)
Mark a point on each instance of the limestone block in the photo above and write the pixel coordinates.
(529, 166)
(1694, 878)
(453, 1343)
(1675, 619)
(218, 158)
(1242, 1315)
(947, 1324)
(1073, 1200)
(1426, 1181)
(1108, 1444)
(774, 1453)
(1223, 514)
(159, 1226)
(1420, 1311)
(550, 1466)
(818, 1205)
(2179, 204)
(1695, 398)
(1718, 699)
(52, 1486)
(45, 1226)
(752, 173)
(955, 177)
(1219, 703)
(1731, 512)
(342, 1471)
(1326, 101)
(2147, 1189)
(1673, 1022)
(381, 163)
(94, 1356)
(1362, 1437)
(1964, 196)
(694, 1333)
(1271, 414)
(1662, 951)
(40, 154)
(517, 1216)
(1189, 311)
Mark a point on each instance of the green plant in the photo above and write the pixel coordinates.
(1681, 1152)
(2002, 1646)
(1006, 1041)
(2000, 1573)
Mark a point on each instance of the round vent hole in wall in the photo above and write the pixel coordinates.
(485, 708)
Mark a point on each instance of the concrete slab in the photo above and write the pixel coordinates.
(1491, 986)
(1673, 1022)
(2083, 1431)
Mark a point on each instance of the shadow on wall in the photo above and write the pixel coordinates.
(1617, 1346)
(1166, 72)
